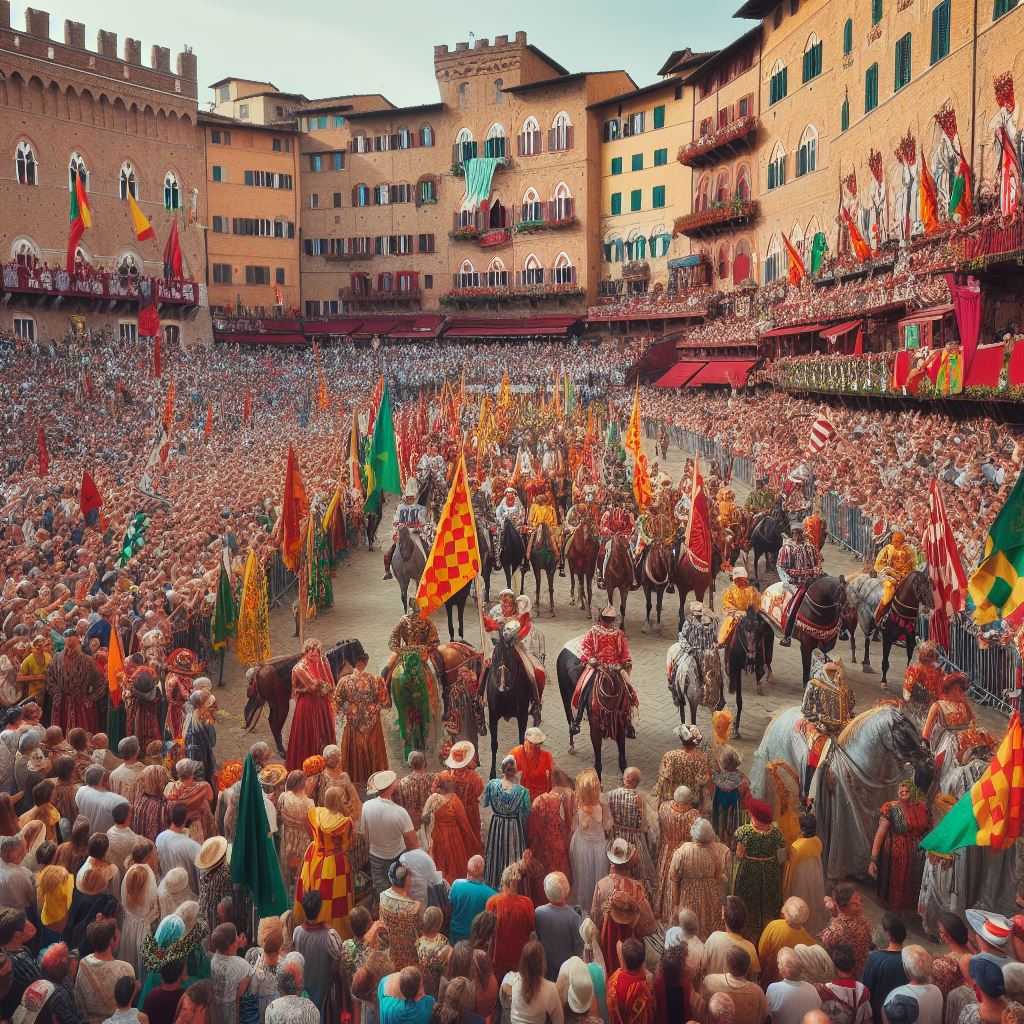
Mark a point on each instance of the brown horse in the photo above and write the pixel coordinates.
(655, 576)
(609, 711)
(271, 683)
(543, 562)
(583, 564)
(687, 577)
(739, 543)
(618, 573)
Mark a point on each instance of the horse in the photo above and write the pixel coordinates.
(407, 563)
(766, 539)
(694, 679)
(507, 689)
(371, 521)
(900, 621)
(819, 618)
(511, 551)
(655, 575)
(748, 649)
(270, 682)
(417, 702)
(582, 560)
(739, 542)
(543, 561)
(687, 577)
(618, 573)
(863, 767)
(457, 602)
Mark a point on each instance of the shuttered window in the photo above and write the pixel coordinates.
(940, 31)
(871, 88)
(904, 64)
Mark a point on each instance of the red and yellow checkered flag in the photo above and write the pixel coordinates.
(455, 557)
(634, 444)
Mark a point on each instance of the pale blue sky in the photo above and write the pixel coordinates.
(320, 48)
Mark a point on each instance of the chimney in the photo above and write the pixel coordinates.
(5, 13)
(74, 34)
(160, 59)
(520, 39)
(37, 23)
(132, 51)
(187, 66)
(106, 44)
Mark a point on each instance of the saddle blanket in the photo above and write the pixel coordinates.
(775, 602)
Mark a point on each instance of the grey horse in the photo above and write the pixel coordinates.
(864, 768)
(407, 563)
(692, 677)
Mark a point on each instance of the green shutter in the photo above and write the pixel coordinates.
(636, 200)
(848, 36)
(1002, 7)
(638, 162)
(659, 117)
(785, 81)
(940, 31)
(658, 197)
(876, 11)
(844, 115)
(660, 157)
(871, 88)
(616, 203)
(771, 177)
(616, 165)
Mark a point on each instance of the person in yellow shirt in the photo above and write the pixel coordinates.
(735, 602)
(895, 562)
(32, 674)
(542, 513)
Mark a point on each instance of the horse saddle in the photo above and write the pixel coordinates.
(812, 736)
(775, 602)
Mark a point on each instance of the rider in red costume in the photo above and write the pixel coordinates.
(604, 644)
(618, 520)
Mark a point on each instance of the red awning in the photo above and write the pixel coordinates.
(259, 338)
(277, 325)
(341, 328)
(804, 329)
(369, 328)
(722, 371)
(509, 327)
(925, 316)
(986, 366)
(838, 330)
(680, 374)
(421, 327)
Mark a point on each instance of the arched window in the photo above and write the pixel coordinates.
(807, 155)
(499, 91)
(660, 241)
(404, 137)
(25, 162)
(561, 133)
(773, 263)
(426, 135)
(703, 201)
(812, 57)
(777, 167)
(529, 138)
(844, 114)
(77, 169)
(497, 275)
(743, 189)
(381, 195)
(848, 37)
(741, 264)
(563, 202)
(533, 209)
(565, 272)
(722, 262)
(467, 276)
(465, 147)
(722, 188)
(25, 252)
(533, 272)
(778, 85)
(463, 94)
(495, 144)
(172, 192)
(128, 182)
(636, 243)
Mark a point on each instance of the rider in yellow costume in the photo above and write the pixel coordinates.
(895, 562)
(735, 602)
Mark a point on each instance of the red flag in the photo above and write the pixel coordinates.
(1009, 176)
(247, 407)
(115, 666)
(949, 581)
(44, 454)
(172, 254)
(168, 419)
(822, 431)
(698, 529)
(295, 508)
(861, 248)
(797, 270)
(208, 427)
(89, 499)
(928, 199)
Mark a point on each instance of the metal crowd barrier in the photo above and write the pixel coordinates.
(848, 527)
(279, 579)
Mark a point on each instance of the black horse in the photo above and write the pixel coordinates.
(457, 602)
(821, 615)
(508, 692)
(766, 538)
(748, 649)
(511, 552)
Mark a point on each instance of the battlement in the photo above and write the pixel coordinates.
(481, 46)
(36, 41)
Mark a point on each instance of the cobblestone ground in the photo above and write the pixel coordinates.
(367, 608)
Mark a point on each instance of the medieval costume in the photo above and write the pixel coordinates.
(736, 601)
(464, 782)
(361, 697)
(182, 670)
(534, 763)
(312, 720)
(201, 733)
(895, 562)
(548, 831)
(450, 839)
(75, 686)
(605, 645)
(896, 856)
(630, 822)
(674, 824)
(197, 797)
(326, 868)
(506, 834)
(141, 702)
(758, 880)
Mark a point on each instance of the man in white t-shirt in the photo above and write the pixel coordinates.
(917, 962)
(791, 998)
(387, 827)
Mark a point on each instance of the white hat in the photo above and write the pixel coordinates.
(620, 851)
(535, 736)
(461, 754)
(511, 490)
(993, 928)
(506, 593)
(574, 977)
(411, 487)
(739, 572)
(695, 608)
(524, 604)
(380, 781)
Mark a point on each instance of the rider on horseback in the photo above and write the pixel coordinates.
(618, 520)
(431, 469)
(510, 507)
(762, 498)
(696, 636)
(412, 515)
(483, 513)
(575, 518)
(606, 645)
(413, 633)
(509, 610)
(895, 562)
(655, 523)
(735, 602)
(798, 565)
(542, 514)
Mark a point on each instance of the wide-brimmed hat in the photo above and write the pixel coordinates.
(273, 775)
(461, 755)
(379, 781)
(535, 736)
(211, 853)
(175, 881)
(620, 851)
(623, 908)
(579, 986)
(183, 662)
(993, 928)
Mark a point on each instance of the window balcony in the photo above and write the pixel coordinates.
(718, 218)
(498, 288)
(393, 296)
(476, 226)
(552, 216)
(355, 256)
(90, 285)
(720, 144)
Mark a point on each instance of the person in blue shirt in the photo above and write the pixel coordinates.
(468, 897)
(402, 1000)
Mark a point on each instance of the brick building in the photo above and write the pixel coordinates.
(121, 126)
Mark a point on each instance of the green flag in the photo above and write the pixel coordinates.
(254, 861)
(818, 249)
(134, 538)
(382, 473)
(996, 588)
(222, 624)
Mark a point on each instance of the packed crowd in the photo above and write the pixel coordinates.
(881, 463)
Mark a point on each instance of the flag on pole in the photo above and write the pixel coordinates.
(861, 248)
(44, 453)
(81, 218)
(323, 400)
(247, 405)
(378, 392)
(990, 812)
(252, 644)
(698, 527)
(382, 469)
(115, 665)
(504, 392)
(949, 581)
(295, 508)
(208, 426)
(929, 199)
(168, 417)
(1009, 175)
(223, 623)
(134, 538)
(996, 587)
(354, 448)
(172, 255)
(960, 199)
(90, 501)
(797, 270)
(455, 555)
(140, 224)
(634, 444)
(822, 431)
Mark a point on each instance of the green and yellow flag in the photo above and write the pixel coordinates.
(223, 623)
(996, 587)
(382, 472)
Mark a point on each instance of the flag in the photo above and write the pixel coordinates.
(960, 200)
(1009, 175)
(81, 218)
(997, 586)
(115, 665)
(989, 813)
(208, 426)
(44, 454)
(378, 391)
(323, 400)
(928, 198)
(140, 225)
(797, 270)
(90, 501)
(222, 625)
(822, 431)
(278, 297)
(158, 362)
(168, 417)
(253, 640)
(247, 406)
(155, 462)
(134, 538)
(861, 248)
(634, 443)
(254, 860)
(295, 508)
(354, 448)
(818, 249)
(698, 527)
(454, 556)
(172, 255)
(382, 470)
(504, 392)
(949, 581)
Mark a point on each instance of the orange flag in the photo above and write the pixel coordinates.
(115, 666)
(323, 400)
(208, 427)
(860, 247)
(797, 270)
(929, 198)
(295, 509)
(634, 444)
(169, 408)
(247, 408)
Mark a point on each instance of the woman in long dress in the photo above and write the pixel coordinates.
(326, 866)
(588, 846)
(506, 836)
(947, 718)
(675, 819)
(148, 813)
(293, 823)
(548, 832)
(196, 795)
(141, 913)
(804, 876)
(698, 871)
(360, 698)
(896, 856)
(729, 793)
(450, 839)
(313, 718)
(760, 852)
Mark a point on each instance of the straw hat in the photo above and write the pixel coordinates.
(212, 853)
(461, 755)
(623, 908)
(579, 986)
(535, 736)
(380, 781)
(620, 851)
(175, 881)
(273, 775)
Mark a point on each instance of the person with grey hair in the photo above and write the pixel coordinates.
(557, 925)
(686, 932)
(675, 819)
(917, 962)
(792, 997)
(291, 1007)
(30, 766)
(227, 800)
(126, 778)
(747, 996)
(698, 871)
(721, 1009)
(787, 930)
(631, 820)
(95, 801)
(17, 886)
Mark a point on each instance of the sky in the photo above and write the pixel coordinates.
(317, 47)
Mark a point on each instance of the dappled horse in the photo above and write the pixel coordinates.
(687, 578)
(766, 539)
(582, 559)
(507, 689)
(511, 552)
(694, 679)
(543, 562)
(748, 649)
(407, 563)
(618, 574)
(655, 576)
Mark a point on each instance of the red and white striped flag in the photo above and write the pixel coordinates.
(949, 581)
(822, 431)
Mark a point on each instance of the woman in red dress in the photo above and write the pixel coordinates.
(450, 837)
(313, 718)
(514, 914)
(896, 856)
(548, 832)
